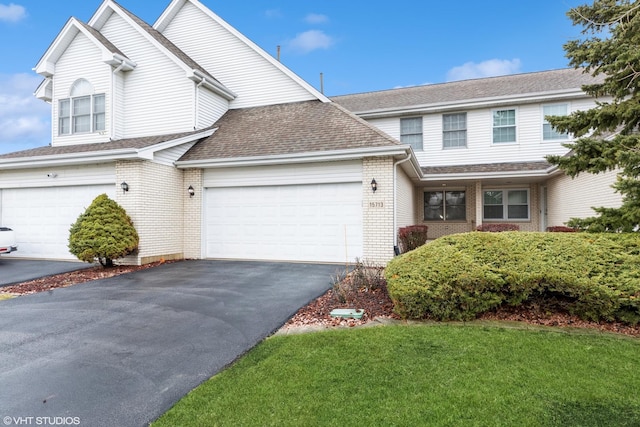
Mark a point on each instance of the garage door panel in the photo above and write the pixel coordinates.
(311, 222)
(42, 217)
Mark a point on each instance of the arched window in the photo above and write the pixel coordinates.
(83, 111)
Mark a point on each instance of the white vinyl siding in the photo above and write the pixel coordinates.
(210, 108)
(159, 98)
(405, 200)
(480, 148)
(232, 62)
(82, 59)
(574, 197)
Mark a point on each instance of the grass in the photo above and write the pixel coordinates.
(442, 375)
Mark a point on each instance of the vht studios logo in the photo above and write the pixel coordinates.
(41, 421)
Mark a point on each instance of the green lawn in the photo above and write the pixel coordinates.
(431, 375)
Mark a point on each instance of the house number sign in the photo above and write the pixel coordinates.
(376, 204)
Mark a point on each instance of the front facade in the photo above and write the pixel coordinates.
(233, 156)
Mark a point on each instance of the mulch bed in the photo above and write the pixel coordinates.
(376, 304)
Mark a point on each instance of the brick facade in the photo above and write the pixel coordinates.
(377, 210)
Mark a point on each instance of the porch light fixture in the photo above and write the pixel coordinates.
(374, 185)
(124, 186)
(191, 191)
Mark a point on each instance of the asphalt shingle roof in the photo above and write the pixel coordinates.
(486, 168)
(299, 127)
(466, 90)
(120, 144)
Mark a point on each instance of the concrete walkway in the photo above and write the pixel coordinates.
(121, 351)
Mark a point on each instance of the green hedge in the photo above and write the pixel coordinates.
(458, 277)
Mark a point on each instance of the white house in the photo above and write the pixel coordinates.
(217, 150)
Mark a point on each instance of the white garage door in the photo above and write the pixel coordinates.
(41, 217)
(311, 222)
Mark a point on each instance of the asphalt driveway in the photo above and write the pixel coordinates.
(16, 270)
(123, 350)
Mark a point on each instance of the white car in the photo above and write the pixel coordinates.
(7, 240)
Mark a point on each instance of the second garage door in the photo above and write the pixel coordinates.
(41, 217)
(306, 222)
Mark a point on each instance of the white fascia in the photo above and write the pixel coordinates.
(148, 152)
(313, 157)
(473, 104)
(212, 85)
(173, 8)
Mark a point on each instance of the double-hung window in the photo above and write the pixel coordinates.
(83, 111)
(504, 126)
(411, 132)
(445, 206)
(548, 132)
(454, 130)
(506, 204)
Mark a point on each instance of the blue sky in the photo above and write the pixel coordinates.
(358, 45)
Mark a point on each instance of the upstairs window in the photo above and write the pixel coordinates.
(548, 132)
(504, 126)
(411, 132)
(83, 111)
(445, 206)
(454, 130)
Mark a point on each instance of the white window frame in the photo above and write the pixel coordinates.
(462, 130)
(444, 204)
(416, 146)
(514, 126)
(68, 121)
(557, 136)
(505, 205)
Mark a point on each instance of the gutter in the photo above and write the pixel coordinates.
(279, 159)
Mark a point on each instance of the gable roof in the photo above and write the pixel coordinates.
(294, 129)
(538, 85)
(174, 7)
(194, 70)
(110, 53)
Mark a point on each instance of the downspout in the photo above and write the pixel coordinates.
(196, 107)
(112, 105)
(395, 200)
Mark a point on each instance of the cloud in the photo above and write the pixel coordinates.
(309, 41)
(25, 121)
(12, 12)
(273, 14)
(315, 18)
(489, 68)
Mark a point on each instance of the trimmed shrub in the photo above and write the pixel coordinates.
(104, 232)
(497, 228)
(561, 229)
(458, 277)
(412, 237)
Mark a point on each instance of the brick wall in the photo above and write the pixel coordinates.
(193, 215)
(155, 203)
(377, 209)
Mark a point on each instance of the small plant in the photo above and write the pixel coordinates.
(497, 228)
(412, 237)
(365, 276)
(103, 232)
(561, 229)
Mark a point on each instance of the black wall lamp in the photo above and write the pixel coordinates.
(374, 185)
(124, 186)
(191, 191)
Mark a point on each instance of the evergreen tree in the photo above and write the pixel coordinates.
(103, 232)
(607, 135)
